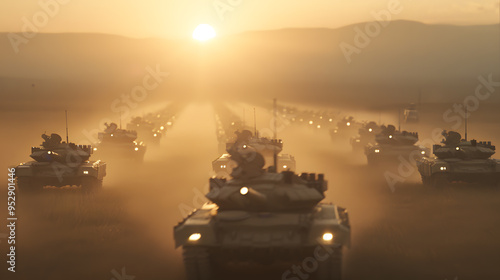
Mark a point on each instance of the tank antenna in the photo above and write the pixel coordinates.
(399, 119)
(254, 122)
(275, 155)
(466, 118)
(67, 137)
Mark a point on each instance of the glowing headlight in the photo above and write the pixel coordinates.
(357, 140)
(244, 146)
(136, 148)
(86, 172)
(49, 152)
(457, 148)
(95, 149)
(222, 166)
(319, 126)
(443, 168)
(169, 123)
(370, 130)
(162, 127)
(195, 237)
(390, 136)
(284, 166)
(377, 151)
(422, 152)
(327, 236)
(244, 191)
(111, 134)
(330, 120)
(348, 124)
(310, 122)
(155, 135)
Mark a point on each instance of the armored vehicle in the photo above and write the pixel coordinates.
(119, 144)
(146, 130)
(345, 129)
(411, 113)
(392, 144)
(459, 160)
(265, 146)
(60, 164)
(264, 217)
(366, 135)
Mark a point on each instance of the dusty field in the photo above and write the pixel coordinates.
(411, 233)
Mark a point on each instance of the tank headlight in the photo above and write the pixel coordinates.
(328, 236)
(457, 148)
(162, 127)
(195, 237)
(390, 136)
(319, 126)
(335, 131)
(244, 191)
(136, 148)
(370, 130)
(86, 172)
(111, 134)
(284, 166)
(169, 123)
(49, 152)
(311, 122)
(357, 140)
(244, 146)
(348, 124)
(377, 151)
(443, 168)
(330, 120)
(222, 166)
(95, 149)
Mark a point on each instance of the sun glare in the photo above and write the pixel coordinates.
(203, 32)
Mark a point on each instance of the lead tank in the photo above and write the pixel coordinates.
(57, 163)
(392, 144)
(459, 160)
(264, 217)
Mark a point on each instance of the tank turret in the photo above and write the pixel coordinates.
(456, 147)
(390, 136)
(52, 149)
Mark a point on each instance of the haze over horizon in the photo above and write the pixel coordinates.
(154, 18)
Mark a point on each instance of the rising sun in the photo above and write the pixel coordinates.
(203, 32)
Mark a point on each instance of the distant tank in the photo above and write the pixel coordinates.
(458, 160)
(263, 217)
(60, 164)
(366, 135)
(411, 113)
(392, 144)
(146, 130)
(119, 144)
(345, 129)
(265, 146)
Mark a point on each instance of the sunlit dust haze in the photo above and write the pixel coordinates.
(160, 90)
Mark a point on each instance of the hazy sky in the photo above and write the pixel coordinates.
(169, 18)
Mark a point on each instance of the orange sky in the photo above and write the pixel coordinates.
(169, 18)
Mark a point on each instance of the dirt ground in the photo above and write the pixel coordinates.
(408, 232)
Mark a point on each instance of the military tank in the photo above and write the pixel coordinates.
(391, 144)
(116, 143)
(459, 160)
(366, 135)
(267, 147)
(263, 217)
(146, 130)
(345, 129)
(58, 164)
